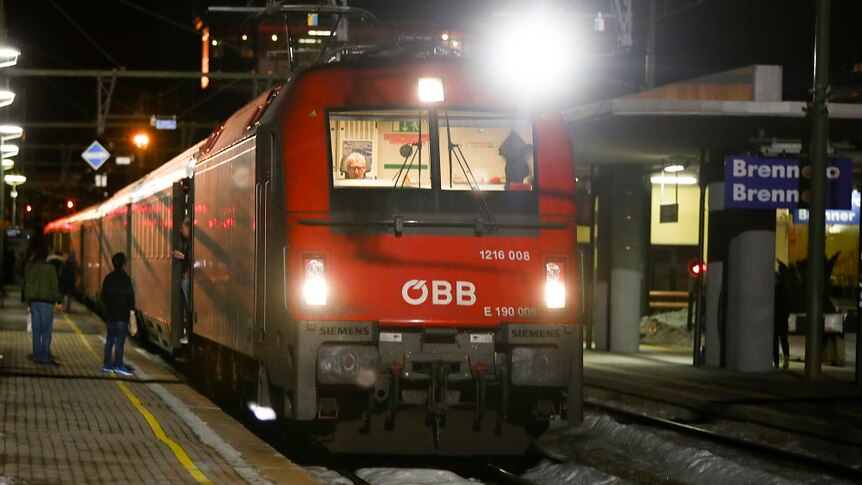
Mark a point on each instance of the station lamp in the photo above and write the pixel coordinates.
(14, 180)
(141, 140)
(8, 56)
(6, 98)
(8, 150)
(673, 179)
(10, 132)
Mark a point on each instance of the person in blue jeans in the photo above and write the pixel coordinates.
(42, 291)
(118, 302)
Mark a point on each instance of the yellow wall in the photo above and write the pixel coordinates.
(839, 237)
(683, 232)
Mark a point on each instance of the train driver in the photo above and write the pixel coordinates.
(355, 166)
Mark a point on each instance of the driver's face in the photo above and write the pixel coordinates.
(355, 169)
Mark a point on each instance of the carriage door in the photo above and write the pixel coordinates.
(180, 312)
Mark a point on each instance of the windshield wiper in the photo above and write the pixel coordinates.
(406, 151)
(455, 149)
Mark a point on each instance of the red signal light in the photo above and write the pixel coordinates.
(696, 267)
(70, 204)
(28, 208)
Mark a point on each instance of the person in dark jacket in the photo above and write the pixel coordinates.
(118, 301)
(42, 291)
(68, 279)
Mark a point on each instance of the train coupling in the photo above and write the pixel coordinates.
(327, 409)
(545, 411)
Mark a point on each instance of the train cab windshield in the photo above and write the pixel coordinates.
(452, 164)
(393, 149)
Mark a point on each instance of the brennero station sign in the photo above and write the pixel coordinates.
(782, 183)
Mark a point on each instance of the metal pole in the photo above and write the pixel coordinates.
(2, 232)
(3, 183)
(14, 206)
(697, 359)
(858, 378)
(819, 115)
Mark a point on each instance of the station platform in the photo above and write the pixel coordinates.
(827, 408)
(72, 423)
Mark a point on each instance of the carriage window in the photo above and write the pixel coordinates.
(485, 152)
(382, 148)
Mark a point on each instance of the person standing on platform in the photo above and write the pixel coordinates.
(781, 313)
(184, 256)
(42, 291)
(55, 259)
(118, 301)
(68, 278)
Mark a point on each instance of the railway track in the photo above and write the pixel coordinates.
(702, 432)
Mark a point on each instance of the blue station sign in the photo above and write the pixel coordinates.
(752, 182)
(95, 155)
(833, 216)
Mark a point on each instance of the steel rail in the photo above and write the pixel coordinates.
(773, 452)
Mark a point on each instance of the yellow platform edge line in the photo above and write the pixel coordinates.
(158, 431)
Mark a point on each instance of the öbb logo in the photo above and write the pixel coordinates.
(415, 292)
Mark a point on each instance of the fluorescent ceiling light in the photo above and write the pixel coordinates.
(673, 179)
(10, 132)
(15, 179)
(6, 98)
(8, 150)
(8, 163)
(8, 56)
(676, 167)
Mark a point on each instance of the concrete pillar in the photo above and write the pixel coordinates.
(750, 292)
(622, 252)
(739, 285)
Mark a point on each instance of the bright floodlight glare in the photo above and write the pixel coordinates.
(430, 89)
(673, 179)
(6, 98)
(10, 132)
(8, 150)
(534, 54)
(8, 56)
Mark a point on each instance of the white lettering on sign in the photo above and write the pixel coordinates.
(741, 193)
(741, 168)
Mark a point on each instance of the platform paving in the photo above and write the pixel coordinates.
(75, 424)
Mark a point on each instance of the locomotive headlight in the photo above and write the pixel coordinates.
(315, 288)
(555, 284)
(430, 89)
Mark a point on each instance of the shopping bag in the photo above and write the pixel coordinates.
(133, 324)
(29, 323)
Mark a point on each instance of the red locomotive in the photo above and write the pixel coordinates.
(383, 248)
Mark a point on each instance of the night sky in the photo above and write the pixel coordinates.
(693, 38)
